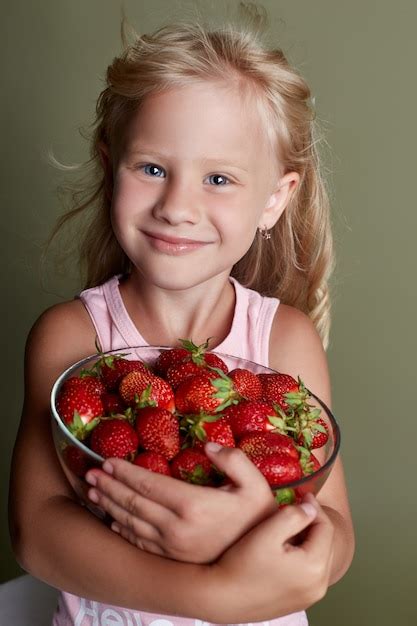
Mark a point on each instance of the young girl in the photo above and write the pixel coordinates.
(208, 207)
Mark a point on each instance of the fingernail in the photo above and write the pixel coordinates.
(91, 479)
(115, 527)
(108, 467)
(93, 495)
(309, 509)
(212, 446)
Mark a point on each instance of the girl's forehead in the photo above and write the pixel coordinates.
(205, 116)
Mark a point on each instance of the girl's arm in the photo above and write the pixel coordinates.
(59, 541)
(296, 349)
(53, 537)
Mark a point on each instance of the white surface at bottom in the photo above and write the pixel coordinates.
(26, 601)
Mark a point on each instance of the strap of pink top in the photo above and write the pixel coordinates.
(119, 314)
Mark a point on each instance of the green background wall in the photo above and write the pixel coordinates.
(359, 58)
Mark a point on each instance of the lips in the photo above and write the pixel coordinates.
(174, 245)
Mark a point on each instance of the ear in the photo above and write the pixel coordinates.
(106, 162)
(279, 199)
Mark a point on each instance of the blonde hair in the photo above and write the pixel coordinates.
(296, 263)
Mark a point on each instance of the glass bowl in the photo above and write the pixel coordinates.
(76, 457)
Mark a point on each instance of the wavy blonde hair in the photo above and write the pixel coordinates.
(296, 263)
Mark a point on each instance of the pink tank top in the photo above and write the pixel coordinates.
(249, 339)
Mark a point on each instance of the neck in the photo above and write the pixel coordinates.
(163, 316)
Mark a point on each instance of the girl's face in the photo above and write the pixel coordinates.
(194, 177)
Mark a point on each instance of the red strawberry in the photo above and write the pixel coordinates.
(204, 427)
(179, 372)
(158, 431)
(201, 393)
(146, 389)
(112, 403)
(309, 463)
(93, 383)
(189, 353)
(76, 460)
(259, 444)
(213, 360)
(316, 463)
(201, 356)
(314, 433)
(275, 388)
(193, 466)
(78, 406)
(279, 468)
(168, 358)
(219, 432)
(249, 416)
(196, 360)
(154, 462)
(246, 383)
(113, 368)
(114, 438)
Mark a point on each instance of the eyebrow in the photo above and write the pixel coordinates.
(226, 162)
(139, 150)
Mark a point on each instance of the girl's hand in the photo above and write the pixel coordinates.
(186, 522)
(271, 570)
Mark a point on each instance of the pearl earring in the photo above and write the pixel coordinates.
(264, 233)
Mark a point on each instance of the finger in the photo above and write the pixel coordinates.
(235, 464)
(138, 527)
(164, 490)
(320, 535)
(288, 522)
(141, 543)
(123, 503)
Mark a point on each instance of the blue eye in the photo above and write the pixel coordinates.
(153, 170)
(218, 180)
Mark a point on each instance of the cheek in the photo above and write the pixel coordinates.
(129, 198)
(238, 225)
(242, 215)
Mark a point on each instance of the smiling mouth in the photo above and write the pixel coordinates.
(174, 245)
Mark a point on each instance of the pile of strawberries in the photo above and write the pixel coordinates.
(159, 417)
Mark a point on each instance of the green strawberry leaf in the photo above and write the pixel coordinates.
(197, 477)
(205, 417)
(225, 404)
(200, 432)
(188, 345)
(284, 496)
(145, 398)
(197, 352)
(279, 423)
(91, 424)
(317, 427)
(130, 416)
(307, 438)
(90, 372)
(223, 382)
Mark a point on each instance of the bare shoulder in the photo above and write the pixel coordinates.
(296, 348)
(66, 322)
(61, 335)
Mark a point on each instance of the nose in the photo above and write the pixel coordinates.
(177, 203)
